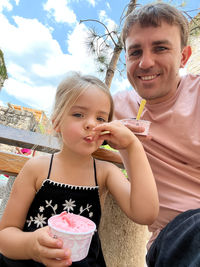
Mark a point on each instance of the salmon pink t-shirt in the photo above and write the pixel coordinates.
(174, 151)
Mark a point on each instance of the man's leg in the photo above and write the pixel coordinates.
(178, 244)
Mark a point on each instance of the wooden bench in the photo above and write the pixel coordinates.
(123, 242)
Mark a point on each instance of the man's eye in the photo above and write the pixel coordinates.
(135, 53)
(160, 48)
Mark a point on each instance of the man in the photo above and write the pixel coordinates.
(155, 41)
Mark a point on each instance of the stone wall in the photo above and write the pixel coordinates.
(18, 119)
(193, 65)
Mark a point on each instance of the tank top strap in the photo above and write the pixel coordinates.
(50, 166)
(95, 172)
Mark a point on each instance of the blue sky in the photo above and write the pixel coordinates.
(42, 40)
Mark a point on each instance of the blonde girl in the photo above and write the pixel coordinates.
(73, 181)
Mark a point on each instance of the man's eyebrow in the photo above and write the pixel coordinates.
(135, 46)
(159, 42)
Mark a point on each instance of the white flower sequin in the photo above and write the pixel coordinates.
(41, 208)
(40, 220)
(69, 205)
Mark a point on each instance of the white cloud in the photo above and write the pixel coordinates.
(60, 11)
(2, 104)
(35, 61)
(5, 4)
(39, 97)
(107, 21)
(108, 5)
(78, 59)
(92, 2)
(120, 85)
(18, 72)
(29, 34)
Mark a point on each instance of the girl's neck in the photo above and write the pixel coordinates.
(73, 158)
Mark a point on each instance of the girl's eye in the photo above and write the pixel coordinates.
(78, 115)
(101, 119)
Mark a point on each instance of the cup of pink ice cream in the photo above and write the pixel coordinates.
(75, 231)
(143, 123)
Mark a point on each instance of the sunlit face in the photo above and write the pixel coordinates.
(153, 59)
(90, 109)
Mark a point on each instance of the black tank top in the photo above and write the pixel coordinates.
(53, 198)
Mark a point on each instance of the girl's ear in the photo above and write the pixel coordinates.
(186, 53)
(56, 127)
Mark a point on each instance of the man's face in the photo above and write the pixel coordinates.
(153, 59)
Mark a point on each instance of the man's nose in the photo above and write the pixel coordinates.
(146, 61)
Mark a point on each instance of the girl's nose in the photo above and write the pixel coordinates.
(90, 124)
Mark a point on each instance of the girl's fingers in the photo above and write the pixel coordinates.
(62, 254)
(45, 239)
(107, 128)
(57, 262)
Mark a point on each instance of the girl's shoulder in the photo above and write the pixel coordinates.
(104, 164)
(36, 169)
(38, 160)
(105, 168)
(37, 165)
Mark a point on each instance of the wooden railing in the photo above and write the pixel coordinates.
(11, 163)
(123, 241)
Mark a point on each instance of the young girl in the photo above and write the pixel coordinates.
(73, 181)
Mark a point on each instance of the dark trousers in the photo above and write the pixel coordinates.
(178, 244)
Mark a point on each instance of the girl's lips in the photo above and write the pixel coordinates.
(89, 138)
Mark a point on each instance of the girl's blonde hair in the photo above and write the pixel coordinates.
(70, 89)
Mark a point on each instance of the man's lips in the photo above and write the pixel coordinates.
(148, 77)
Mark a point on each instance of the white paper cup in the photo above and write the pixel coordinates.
(142, 123)
(78, 243)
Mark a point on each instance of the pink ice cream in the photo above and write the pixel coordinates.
(72, 223)
(75, 231)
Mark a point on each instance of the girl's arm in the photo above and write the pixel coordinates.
(137, 198)
(16, 244)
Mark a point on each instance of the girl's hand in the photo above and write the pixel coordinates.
(47, 250)
(119, 136)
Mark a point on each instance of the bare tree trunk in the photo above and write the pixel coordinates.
(117, 51)
(113, 64)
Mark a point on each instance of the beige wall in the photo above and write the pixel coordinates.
(193, 65)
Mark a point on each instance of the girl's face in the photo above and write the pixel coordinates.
(90, 109)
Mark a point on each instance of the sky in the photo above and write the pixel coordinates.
(42, 40)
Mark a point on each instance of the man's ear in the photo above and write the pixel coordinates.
(186, 53)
